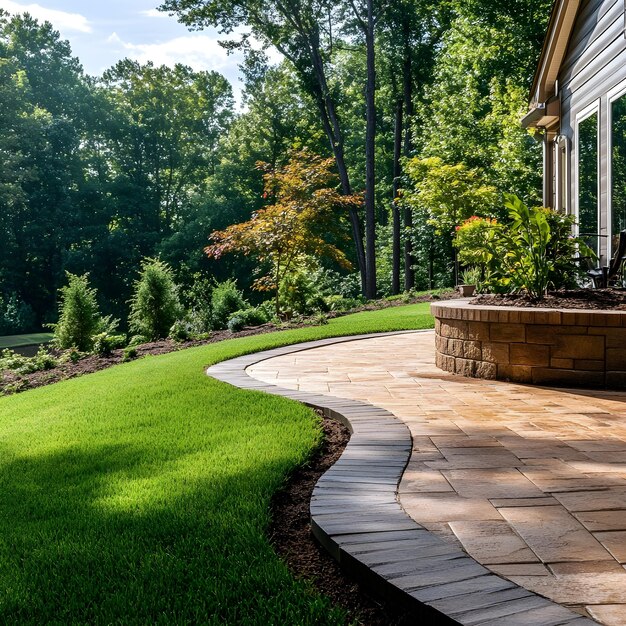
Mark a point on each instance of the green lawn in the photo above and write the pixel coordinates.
(140, 494)
(16, 341)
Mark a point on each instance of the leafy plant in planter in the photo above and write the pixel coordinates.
(534, 251)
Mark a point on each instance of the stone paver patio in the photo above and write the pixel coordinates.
(530, 481)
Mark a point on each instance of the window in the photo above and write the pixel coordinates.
(588, 180)
(618, 165)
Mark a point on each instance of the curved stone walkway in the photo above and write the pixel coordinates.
(355, 513)
(530, 481)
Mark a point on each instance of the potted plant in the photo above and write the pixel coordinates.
(469, 280)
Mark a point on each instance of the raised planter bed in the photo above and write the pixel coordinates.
(532, 345)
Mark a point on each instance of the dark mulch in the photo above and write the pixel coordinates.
(596, 299)
(290, 533)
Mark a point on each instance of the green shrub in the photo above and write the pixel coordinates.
(199, 298)
(341, 304)
(137, 340)
(130, 353)
(22, 365)
(104, 343)
(154, 305)
(180, 331)
(532, 252)
(254, 316)
(226, 299)
(79, 315)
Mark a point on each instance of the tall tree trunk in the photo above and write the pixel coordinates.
(409, 273)
(370, 159)
(332, 128)
(395, 209)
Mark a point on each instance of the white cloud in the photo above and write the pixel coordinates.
(61, 20)
(153, 13)
(200, 52)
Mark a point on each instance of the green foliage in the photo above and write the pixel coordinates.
(104, 343)
(130, 353)
(225, 300)
(448, 193)
(79, 315)
(254, 316)
(532, 251)
(154, 306)
(22, 365)
(16, 316)
(180, 331)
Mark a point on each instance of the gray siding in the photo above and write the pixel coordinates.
(594, 64)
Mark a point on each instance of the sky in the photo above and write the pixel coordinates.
(101, 32)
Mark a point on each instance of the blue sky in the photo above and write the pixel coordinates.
(103, 31)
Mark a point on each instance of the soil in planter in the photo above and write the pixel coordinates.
(596, 299)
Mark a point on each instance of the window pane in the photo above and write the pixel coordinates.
(588, 180)
(618, 166)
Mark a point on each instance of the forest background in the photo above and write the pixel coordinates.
(417, 103)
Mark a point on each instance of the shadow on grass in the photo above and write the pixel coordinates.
(100, 536)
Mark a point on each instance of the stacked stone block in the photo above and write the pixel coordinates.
(527, 345)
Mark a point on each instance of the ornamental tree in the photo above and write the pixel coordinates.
(304, 207)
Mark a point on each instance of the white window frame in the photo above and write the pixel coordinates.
(581, 116)
(614, 94)
(563, 177)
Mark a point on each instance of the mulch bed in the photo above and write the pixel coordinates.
(595, 299)
(10, 382)
(290, 534)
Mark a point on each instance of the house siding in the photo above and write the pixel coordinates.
(595, 63)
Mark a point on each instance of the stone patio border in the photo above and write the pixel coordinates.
(355, 515)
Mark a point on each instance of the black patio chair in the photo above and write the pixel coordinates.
(602, 276)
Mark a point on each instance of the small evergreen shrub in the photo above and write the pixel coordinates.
(180, 331)
(154, 305)
(253, 316)
(104, 343)
(137, 340)
(79, 315)
(226, 299)
(130, 353)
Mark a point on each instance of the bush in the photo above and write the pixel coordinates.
(130, 353)
(255, 316)
(22, 365)
(79, 315)
(299, 293)
(226, 299)
(341, 304)
(104, 343)
(154, 305)
(180, 331)
(137, 340)
(199, 298)
(532, 252)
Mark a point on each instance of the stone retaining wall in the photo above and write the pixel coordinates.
(539, 346)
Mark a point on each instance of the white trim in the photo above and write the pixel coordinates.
(614, 94)
(581, 116)
(562, 177)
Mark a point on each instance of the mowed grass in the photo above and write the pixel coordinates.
(16, 341)
(140, 494)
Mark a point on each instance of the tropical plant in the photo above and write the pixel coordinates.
(154, 305)
(533, 251)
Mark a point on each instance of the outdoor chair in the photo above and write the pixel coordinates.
(602, 276)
